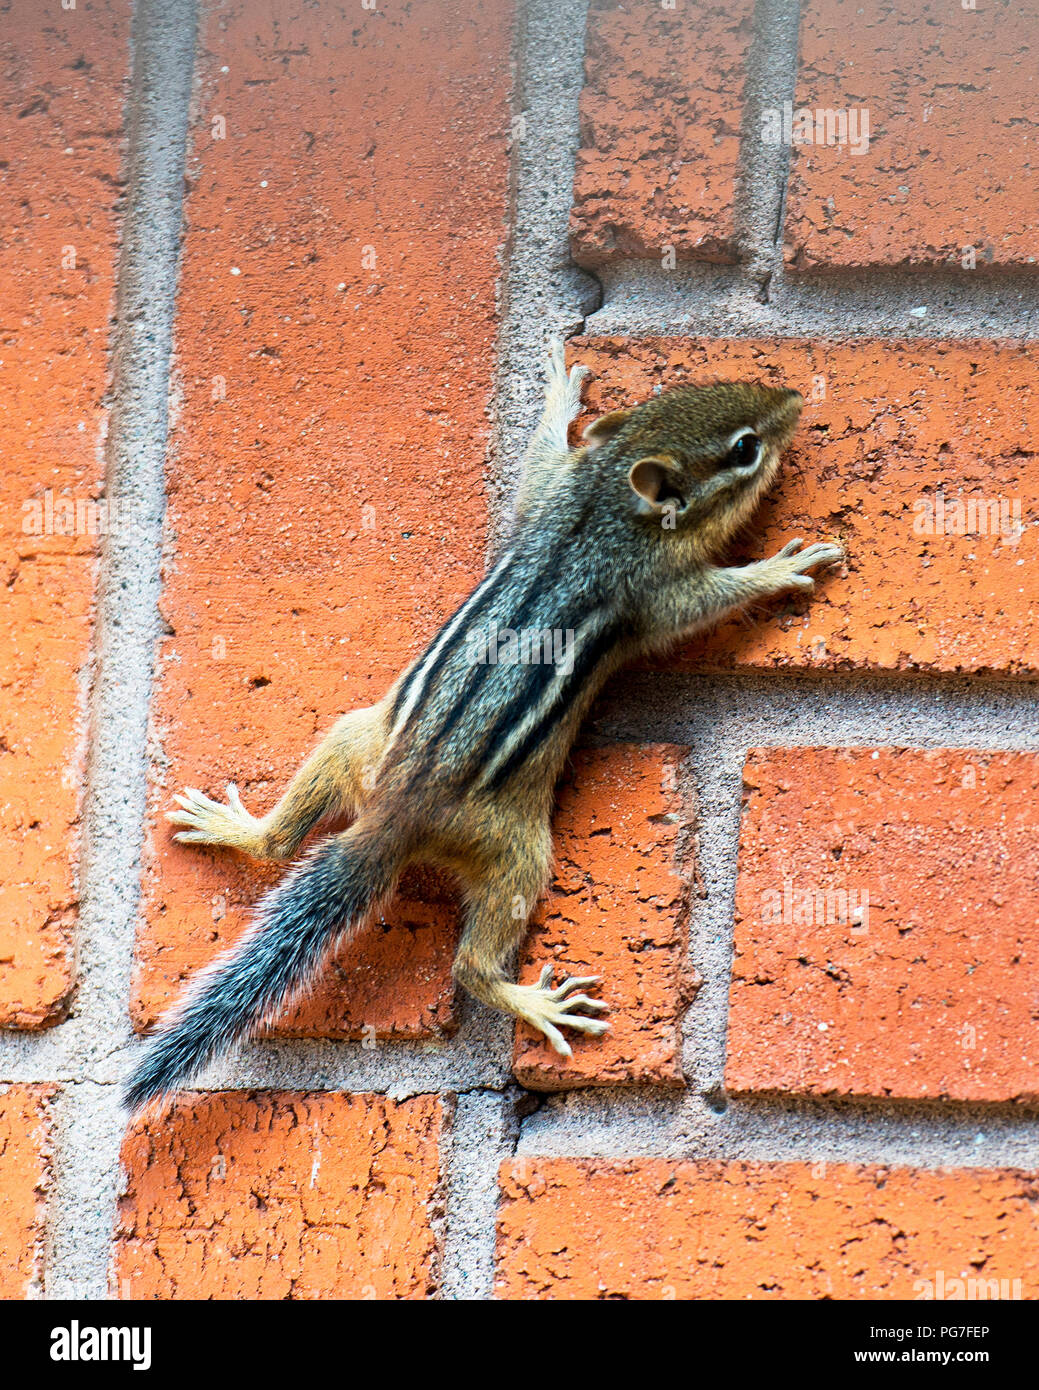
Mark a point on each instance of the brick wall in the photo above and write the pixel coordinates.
(277, 280)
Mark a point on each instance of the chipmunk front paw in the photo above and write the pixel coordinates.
(790, 564)
(548, 1009)
(558, 376)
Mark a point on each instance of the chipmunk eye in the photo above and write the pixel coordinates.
(744, 452)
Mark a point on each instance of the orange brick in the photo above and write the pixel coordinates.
(618, 908)
(951, 94)
(62, 85)
(25, 1133)
(328, 511)
(660, 121)
(647, 1228)
(893, 435)
(920, 980)
(283, 1196)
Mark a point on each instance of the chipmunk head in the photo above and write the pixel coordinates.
(696, 459)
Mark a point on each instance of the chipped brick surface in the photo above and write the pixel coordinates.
(25, 1132)
(334, 334)
(62, 76)
(283, 1196)
(952, 95)
(896, 439)
(658, 1228)
(660, 120)
(618, 908)
(920, 980)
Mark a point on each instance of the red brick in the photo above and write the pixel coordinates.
(62, 85)
(25, 1135)
(646, 1228)
(283, 1196)
(329, 513)
(901, 423)
(660, 122)
(930, 992)
(619, 909)
(952, 96)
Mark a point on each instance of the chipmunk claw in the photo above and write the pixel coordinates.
(209, 822)
(562, 385)
(820, 553)
(548, 1009)
(793, 562)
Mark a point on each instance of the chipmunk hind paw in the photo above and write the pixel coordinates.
(548, 1009)
(209, 822)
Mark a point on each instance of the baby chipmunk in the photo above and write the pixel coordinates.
(614, 544)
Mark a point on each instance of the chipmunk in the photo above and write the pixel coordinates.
(614, 542)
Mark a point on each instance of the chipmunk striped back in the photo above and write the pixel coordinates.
(518, 662)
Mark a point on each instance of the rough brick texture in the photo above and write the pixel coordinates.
(25, 1131)
(62, 76)
(326, 500)
(618, 908)
(886, 933)
(660, 121)
(283, 1196)
(896, 439)
(658, 1228)
(951, 164)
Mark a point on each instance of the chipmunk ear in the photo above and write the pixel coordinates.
(601, 431)
(656, 482)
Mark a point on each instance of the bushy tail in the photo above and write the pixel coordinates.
(295, 925)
